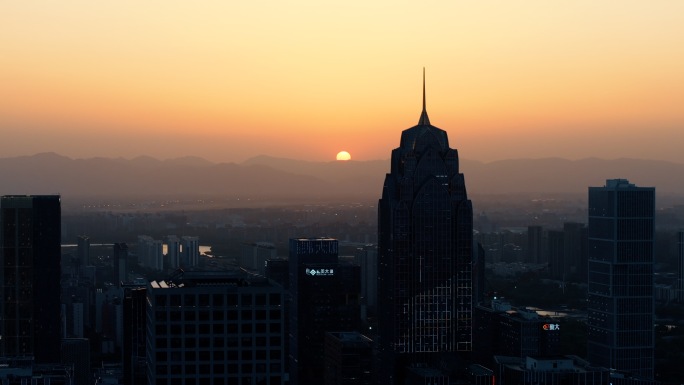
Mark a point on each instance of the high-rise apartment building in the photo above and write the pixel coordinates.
(120, 262)
(620, 294)
(254, 255)
(30, 235)
(172, 252)
(150, 252)
(425, 234)
(189, 256)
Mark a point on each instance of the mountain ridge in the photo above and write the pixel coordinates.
(265, 175)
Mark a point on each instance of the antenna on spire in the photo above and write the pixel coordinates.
(424, 89)
(424, 120)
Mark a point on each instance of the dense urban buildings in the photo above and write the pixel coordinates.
(30, 231)
(425, 234)
(620, 294)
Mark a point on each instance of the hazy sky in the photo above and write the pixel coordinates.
(228, 80)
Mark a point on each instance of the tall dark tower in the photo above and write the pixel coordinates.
(620, 295)
(30, 234)
(425, 230)
(325, 298)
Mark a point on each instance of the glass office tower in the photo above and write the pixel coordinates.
(620, 307)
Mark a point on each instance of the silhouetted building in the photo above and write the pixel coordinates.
(324, 298)
(478, 273)
(279, 271)
(556, 251)
(215, 327)
(23, 371)
(172, 252)
(150, 252)
(524, 333)
(30, 252)
(502, 330)
(680, 265)
(348, 359)
(134, 335)
(535, 244)
(76, 352)
(574, 251)
(189, 251)
(620, 294)
(254, 255)
(367, 258)
(559, 370)
(425, 234)
(83, 250)
(75, 305)
(120, 262)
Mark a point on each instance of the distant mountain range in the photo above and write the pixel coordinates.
(264, 176)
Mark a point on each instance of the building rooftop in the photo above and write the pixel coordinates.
(235, 277)
(351, 337)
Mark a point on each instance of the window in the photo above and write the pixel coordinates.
(189, 300)
(246, 300)
(260, 299)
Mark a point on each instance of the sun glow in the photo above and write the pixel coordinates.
(343, 155)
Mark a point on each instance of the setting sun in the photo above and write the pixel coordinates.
(343, 155)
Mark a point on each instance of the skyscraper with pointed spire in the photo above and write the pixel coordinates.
(425, 230)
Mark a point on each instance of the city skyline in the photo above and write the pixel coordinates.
(232, 81)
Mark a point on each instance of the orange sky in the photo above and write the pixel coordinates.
(305, 79)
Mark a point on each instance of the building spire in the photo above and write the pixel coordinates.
(424, 120)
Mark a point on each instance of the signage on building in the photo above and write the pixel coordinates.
(320, 272)
(551, 327)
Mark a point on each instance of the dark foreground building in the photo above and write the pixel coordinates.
(620, 294)
(30, 233)
(325, 298)
(218, 328)
(425, 228)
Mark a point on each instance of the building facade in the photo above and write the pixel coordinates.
(30, 252)
(325, 297)
(120, 262)
(425, 246)
(620, 293)
(189, 256)
(83, 250)
(348, 359)
(219, 328)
